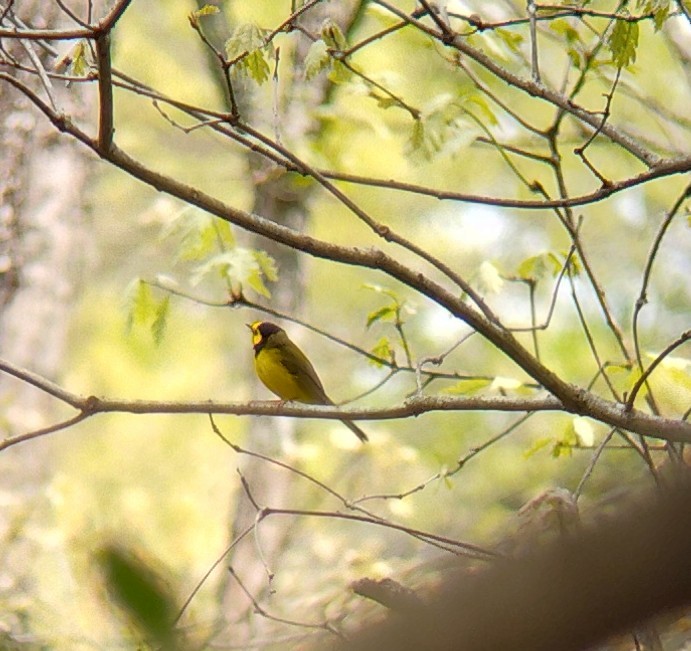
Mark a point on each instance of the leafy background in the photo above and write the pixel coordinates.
(166, 487)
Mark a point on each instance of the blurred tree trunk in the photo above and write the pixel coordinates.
(41, 255)
(577, 590)
(277, 197)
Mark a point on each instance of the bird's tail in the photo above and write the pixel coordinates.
(357, 431)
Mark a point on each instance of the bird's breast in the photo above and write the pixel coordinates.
(279, 380)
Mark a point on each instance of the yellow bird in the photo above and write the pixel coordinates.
(285, 370)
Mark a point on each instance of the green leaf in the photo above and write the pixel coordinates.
(446, 124)
(206, 10)
(424, 141)
(257, 66)
(140, 303)
(384, 101)
(388, 312)
(255, 278)
(333, 36)
(340, 73)
(248, 48)
(256, 282)
(209, 240)
(506, 385)
(80, 59)
(224, 232)
(76, 61)
(584, 431)
(489, 280)
(564, 445)
(511, 39)
(200, 234)
(160, 319)
(532, 268)
(660, 16)
(659, 8)
(383, 350)
(240, 266)
(417, 137)
(380, 289)
(142, 595)
(574, 267)
(538, 444)
(143, 310)
(565, 29)
(267, 265)
(317, 59)
(320, 55)
(245, 38)
(617, 369)
(468, 387)
(537, 266)
(475, 100)
(576, 58)
(622, 43)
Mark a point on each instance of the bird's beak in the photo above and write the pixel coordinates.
(248, 325)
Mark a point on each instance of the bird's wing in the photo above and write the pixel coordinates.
(297, 364)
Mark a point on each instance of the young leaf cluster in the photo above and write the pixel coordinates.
(144, 310)
(249, 52)
(209, 243)
(323, 54)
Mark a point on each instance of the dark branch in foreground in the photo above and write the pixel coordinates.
(569, 595)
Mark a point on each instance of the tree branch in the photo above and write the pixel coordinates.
(532, 88)
(571, 397)
(594, 407)
(105, 92)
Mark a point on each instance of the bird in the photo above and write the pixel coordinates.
(285, 370)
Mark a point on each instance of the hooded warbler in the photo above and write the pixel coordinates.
(285, 370)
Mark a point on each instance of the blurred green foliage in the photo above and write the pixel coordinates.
(171, 485)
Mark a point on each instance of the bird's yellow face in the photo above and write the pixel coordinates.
(261, 331)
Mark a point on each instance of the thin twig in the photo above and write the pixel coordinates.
(460, 464)
(530, 87)
(243, 534)
(260, 610)
(44, 431)
(590, 339)
(534, 59)
(593, 461)
(682, 339)
(647, 272)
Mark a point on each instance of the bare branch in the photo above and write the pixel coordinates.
(589, 405)
(652, 255)
(663, 169)
(44, 431)
(531, 88)
(105, 92)
(681, 340)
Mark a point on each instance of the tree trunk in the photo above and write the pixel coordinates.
(41, 258)
(287, 203)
